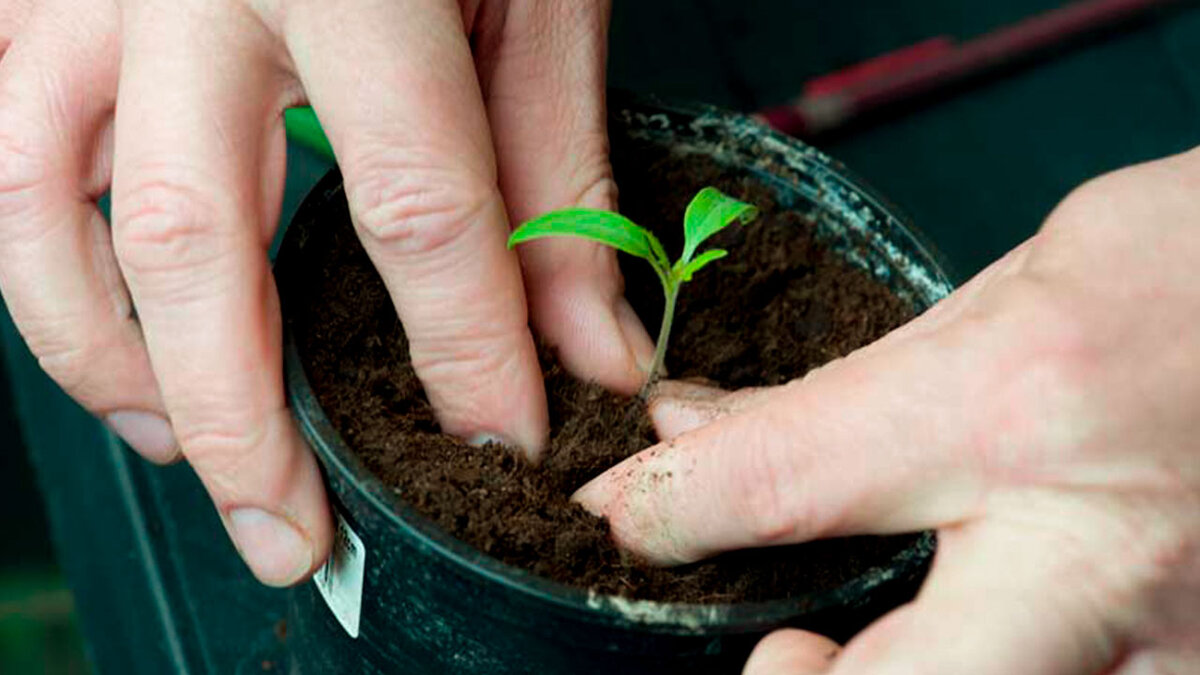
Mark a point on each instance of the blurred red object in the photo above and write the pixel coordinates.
(832, 100)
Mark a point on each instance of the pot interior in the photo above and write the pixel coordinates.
(850, 218)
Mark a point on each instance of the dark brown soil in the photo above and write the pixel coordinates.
(777, 307)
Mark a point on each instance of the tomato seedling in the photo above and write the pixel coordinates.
(709, 212)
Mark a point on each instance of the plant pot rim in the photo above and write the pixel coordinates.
(656, 617)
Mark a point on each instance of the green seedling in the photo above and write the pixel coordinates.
(709, 212)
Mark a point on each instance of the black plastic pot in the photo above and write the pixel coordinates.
(431, 604)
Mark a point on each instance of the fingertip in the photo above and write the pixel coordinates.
(615, 350)
(592, 496)
(273, 503)
(532, 434)
(524, 418)
(602, 497)
(285, 544)
(492, 393)
(597, 335)
(637, 339)
(792, 652)
(677, 407)
(633, 497)
(525, 432)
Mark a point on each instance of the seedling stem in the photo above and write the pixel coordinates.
(709, 212)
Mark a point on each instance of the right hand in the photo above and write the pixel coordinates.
(1043, 418)
(450, 119)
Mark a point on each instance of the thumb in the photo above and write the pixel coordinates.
(864, 445)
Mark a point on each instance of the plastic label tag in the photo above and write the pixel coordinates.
(340, 579)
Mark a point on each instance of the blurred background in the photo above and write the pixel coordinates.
(974, 133)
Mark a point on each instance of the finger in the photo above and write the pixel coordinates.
(57, 269)
(680, 406)
(395, 87)
(13, 14)
(859, 446)
(542, 64)
(792, 652)
(1001, 599)
(194, 183)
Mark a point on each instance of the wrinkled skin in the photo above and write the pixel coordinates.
(1045, 419)
(450, 121)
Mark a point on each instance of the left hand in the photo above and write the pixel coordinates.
(449, 118)
(1045, 419)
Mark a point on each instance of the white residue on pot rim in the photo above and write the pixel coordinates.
(692, 617)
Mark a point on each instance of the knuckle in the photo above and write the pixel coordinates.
(1057, 337)
(221, 447)
(163, 226)
(74, 359)
(415, 209)
(1097, 195)
(1110, 201)
(238, 453)
(68, 365)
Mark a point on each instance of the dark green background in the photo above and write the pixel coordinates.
(977, 168)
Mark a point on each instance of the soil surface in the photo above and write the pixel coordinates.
(778, 306)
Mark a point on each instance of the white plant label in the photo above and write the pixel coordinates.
(340, 579)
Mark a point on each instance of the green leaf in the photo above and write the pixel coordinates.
(700, 261)
(709, 212)
(606, 227)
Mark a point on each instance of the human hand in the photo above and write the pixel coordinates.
(1045, 419)
(449, 120)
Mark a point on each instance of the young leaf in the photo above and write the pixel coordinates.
(605, 227)
(700, 261)
(709, 212)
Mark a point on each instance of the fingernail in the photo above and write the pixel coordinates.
(147, 433)
(272, 547)
(482, 439)
(635, 335)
